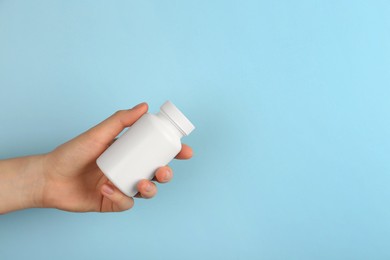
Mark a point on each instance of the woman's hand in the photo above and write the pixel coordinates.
(69, 179)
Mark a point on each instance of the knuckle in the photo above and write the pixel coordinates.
(119, 112)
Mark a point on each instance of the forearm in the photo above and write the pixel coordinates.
(21, 183)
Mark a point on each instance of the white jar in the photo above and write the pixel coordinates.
(151, 142)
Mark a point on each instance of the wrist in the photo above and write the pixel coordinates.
(22, 182)
(34, 182)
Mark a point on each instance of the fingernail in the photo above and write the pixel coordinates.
(168, 175)
(139, 105)
(107, 189)
(148, 187)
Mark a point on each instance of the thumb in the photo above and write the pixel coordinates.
(106, 131)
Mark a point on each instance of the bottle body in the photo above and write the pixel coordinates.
(148, 144)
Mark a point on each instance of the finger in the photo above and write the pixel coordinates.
(147, 189)
(106, 131)
(163, 174)
(120, 201)
(185, 153)
(113, 141)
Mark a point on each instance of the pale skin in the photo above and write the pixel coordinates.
(68, 178)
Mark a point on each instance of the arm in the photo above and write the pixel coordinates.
(68, 178)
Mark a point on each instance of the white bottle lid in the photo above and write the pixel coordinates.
(177, 117)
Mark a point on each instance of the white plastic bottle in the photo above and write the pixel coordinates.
(151, 142)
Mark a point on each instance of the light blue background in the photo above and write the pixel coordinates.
(290, 100)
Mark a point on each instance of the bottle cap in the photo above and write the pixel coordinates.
(177, 117)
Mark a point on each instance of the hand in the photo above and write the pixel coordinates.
(68, 178)
(73, 181)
